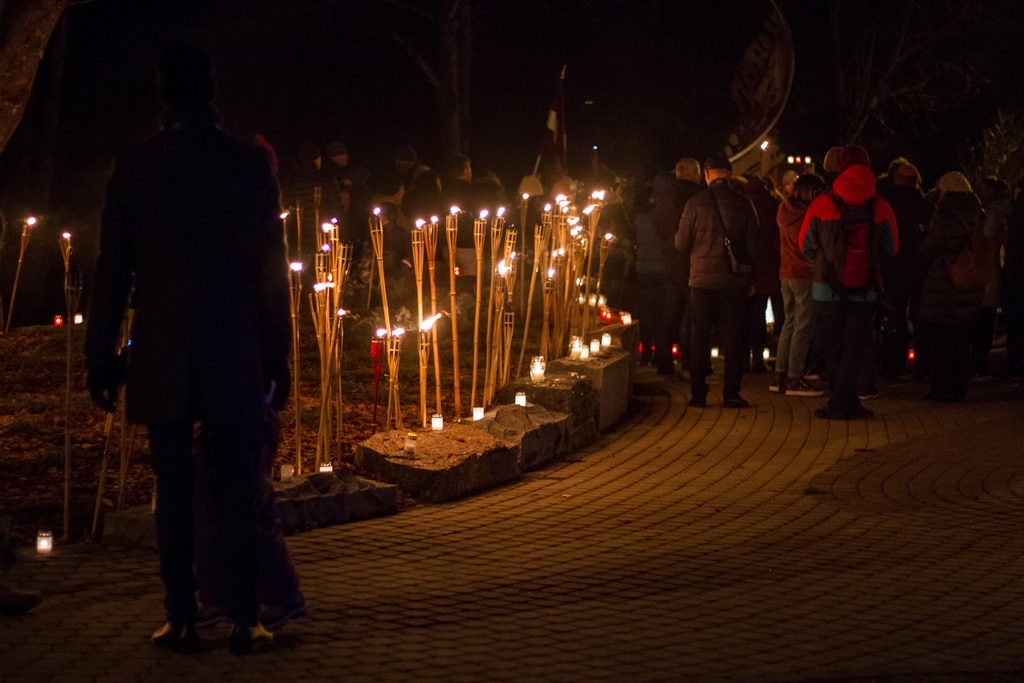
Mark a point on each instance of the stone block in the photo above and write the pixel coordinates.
(561, 392)
(446, 465)
(325, 499)
(542, 435)
(134, 527)
(609, 374)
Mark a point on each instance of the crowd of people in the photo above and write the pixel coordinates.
(859, 270)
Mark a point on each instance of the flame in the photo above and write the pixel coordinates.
(284, 215)
(501, 211)
(296, 266)
(502, 268)
(398, 332)
(483, 214)
(327, 226)
(610, 237)
(589, 210)
(30, 221)
(376, 211)
(598, 195)
(547, 208)
(454, 210)
(526, 197)
(66, 235)
(434, 219)
(551, 272)
(428, 324)
(420, 223)
(381, 332)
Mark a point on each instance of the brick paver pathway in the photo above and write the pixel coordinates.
(751, 545)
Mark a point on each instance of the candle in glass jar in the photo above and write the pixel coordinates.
(478, 413)
(437, 422)
(606, 339)
(520, 398)
(595, 345)
(537, 368)
(44, 542)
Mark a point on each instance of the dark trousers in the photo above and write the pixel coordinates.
(892, 354)
(1014, 313)
(845, 328)
(234, 453)
(727, 308)
(982, 332)
(277, 582)
(949, 358)
(671, 328)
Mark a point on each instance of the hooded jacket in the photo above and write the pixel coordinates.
(794, 265)
(854, 186)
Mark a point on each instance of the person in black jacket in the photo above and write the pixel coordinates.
(947, 314)
(717, 294)
(192, 222)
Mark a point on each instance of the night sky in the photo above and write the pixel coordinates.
(647, 81)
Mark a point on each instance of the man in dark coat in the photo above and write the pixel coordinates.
(670, 198)
(192, 220)
(718, 295)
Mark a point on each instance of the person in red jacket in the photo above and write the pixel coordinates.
(845, 313)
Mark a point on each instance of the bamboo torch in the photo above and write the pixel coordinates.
(377, 238)
(479, 234)
(29, 222)
(430, 242)
(452, 233)
(394, 343)
(296, 291)
(497, 230)
(539, 235)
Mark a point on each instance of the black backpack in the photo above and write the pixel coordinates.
(849, 253)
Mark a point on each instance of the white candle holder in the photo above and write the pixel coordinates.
(627, 319)
(326, 467)
(595, 345)
(437, 422)
(714, 352)
(410, 443)
(44, 542)
(521, 398)
(575, 346)
(478, 413)
(287, 472)
(585, 353)
(606, 340)
(537, 367)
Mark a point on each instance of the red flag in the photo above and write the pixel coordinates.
(553, 144)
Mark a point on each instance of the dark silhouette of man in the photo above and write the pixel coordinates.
(192, 222)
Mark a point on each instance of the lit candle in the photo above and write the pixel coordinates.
(714, 352)
(410, 443)
(627, 319)
(44, 542)
(520, 398)
(437, 422)
(537, 368)
(595, 345)
(606, 339)
(287, 472)
(478, 413)
(575, 346)
(585, 353)
(326, 467)
(58, 320)
(79, 320)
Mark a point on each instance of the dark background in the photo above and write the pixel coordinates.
(647, 81)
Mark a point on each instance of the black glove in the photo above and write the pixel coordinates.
(104, 379)
(279, 377)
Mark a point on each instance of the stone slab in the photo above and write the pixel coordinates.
(543, 435)
(325, 499)
(610, 374)
(446, 465)
(568, 393)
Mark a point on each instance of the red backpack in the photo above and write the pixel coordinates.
(850, 252)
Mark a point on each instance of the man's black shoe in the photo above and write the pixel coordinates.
(698, 402)
(177, 637)
(735, 402)
(246, 639)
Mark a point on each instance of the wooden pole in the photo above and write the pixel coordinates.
(452, 233)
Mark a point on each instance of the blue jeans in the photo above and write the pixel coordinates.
(795, 338)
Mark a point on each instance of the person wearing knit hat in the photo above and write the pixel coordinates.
(906, 175)
(850, 155)
(831, 161)
(946, 314)
(954, 181)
